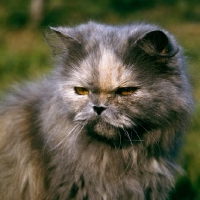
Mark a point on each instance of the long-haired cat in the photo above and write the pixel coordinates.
(107, 123)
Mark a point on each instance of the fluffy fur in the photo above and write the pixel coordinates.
(119, 139)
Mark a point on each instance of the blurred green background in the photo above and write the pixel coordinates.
(24, 54)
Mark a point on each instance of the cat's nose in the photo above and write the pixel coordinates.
(99, 109)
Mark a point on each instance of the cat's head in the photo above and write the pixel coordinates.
(119, 81)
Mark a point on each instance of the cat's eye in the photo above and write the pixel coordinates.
(125, 91)
(81, 90)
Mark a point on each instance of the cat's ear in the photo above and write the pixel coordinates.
(61, 40)
(157, 43)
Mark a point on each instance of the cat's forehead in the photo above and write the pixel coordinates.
(108, 73)
(111, 71)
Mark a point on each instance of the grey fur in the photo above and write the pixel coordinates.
(53, 145)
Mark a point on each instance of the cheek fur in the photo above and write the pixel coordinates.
(74, 102)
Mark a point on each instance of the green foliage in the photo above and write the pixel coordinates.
(183, 190)
(190, 10)
(125, 6)
(24, 55)
(17, 13)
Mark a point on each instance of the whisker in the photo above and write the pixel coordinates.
(151, 136)
(64, 138)
(83, 125)
(127, 134)
(79, 131)
(140, 140)
(45, 145)
(120, 138)
(128, 165)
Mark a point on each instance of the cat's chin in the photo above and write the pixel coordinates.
(113, 136)
(122, 137)
(103, 129)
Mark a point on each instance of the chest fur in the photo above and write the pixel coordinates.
(106, 174)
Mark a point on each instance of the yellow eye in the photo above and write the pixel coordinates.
(125, 91)
(81, 90)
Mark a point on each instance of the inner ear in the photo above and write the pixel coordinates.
(157, 43)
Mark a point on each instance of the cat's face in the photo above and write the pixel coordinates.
(111, 97)
(102, 96)
(113, 89)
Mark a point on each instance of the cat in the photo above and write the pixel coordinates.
(106, 123)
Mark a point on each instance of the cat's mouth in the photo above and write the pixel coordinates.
(102, 128)
(103, 131)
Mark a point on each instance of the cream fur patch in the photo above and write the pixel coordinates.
(110, 71)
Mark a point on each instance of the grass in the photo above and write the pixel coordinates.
(24, 55)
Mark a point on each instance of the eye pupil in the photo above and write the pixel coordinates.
(81, 90)
(125, 91)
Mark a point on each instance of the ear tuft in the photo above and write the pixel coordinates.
(157, 43)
